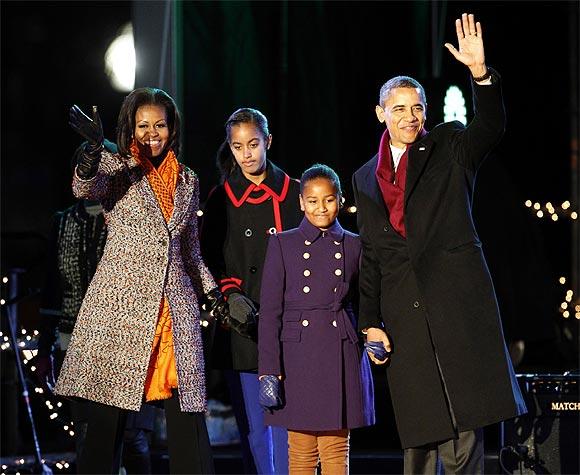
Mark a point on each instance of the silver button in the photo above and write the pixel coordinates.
(305, 323)
(334, 323)
(306, 255)
(337, 272)
(248, 232)
(416, 304)
(306, 289)
(306, 273)
(338, 255)
(337, 243)
(307, 242)
(272, 230)
(334, 289)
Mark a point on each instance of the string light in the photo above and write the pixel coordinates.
(555, 214)
(569, 302)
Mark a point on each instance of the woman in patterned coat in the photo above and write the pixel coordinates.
(138, 334)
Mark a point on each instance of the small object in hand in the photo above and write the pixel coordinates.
(270, 393)
(377, 349)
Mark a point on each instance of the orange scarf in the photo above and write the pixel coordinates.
(162, 372)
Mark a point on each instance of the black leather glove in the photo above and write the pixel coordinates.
(216, 305)
(270, 392)
(92, 131)
(377, 349)
(242, 310)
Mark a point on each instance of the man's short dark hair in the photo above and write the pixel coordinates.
(400, 81)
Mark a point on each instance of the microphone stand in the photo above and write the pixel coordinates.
(12, 314)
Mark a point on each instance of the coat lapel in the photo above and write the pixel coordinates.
(371, 186)
(419, 153)
(182, 199)
(137, 177)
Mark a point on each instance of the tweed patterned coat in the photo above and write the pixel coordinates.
(144, 259)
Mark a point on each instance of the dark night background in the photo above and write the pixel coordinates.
(314, 69)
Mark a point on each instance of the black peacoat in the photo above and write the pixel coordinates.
(433, 290)
(234, 236)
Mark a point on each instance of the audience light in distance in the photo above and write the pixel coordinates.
(454, 106)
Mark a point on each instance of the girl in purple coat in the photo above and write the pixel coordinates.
(314, 378)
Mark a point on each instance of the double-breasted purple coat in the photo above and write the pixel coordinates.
(307, 330)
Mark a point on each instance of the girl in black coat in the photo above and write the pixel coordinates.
(255, 199)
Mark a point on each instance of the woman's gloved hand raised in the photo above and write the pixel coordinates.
(92, 131)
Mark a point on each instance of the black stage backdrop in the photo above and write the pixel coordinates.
(315, 69)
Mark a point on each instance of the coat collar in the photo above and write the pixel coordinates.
(369, 184)
(419, 153)
(183, 192)
(275, 181)
(312, 233)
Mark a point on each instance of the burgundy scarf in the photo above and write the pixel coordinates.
(392, 184)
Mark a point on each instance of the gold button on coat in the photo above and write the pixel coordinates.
(305, 323)
(338, 255)
(306, 289)
(306, 255)
(306, 272)
(338, 272)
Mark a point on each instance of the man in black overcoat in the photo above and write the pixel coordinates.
(425, 289)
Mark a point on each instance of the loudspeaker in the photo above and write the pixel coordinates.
(545, 440)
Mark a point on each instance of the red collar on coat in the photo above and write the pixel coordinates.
(240, 190)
